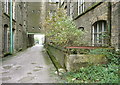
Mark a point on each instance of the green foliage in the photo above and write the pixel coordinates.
(110, 54)
(94, 74)
(62, 31)
(105, 73)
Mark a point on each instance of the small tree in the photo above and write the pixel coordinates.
(62, 31)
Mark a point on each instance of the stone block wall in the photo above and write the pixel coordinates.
(88, 19)
(115, 22)
(20, 36)
(21, 27)
(100, 12)
(58, 54)
(75, 62)
(34, 19)
(1, 30)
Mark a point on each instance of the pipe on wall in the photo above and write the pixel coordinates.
(11, 31)
(109, 23)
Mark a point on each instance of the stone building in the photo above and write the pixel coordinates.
(1, 30)
(51, 7)
(99, 19)
(34, 17)
(5, 28)
(20, 34)
(36, 14)
(21, 40)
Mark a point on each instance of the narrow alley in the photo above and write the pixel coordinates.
(29, 66)
(59, 41)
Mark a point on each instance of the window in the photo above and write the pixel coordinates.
(6, 6)
(14, 16)
(71, 10)
(53, 0)
(24, 4)
(81, 6)
(99, 32)
(61, 2)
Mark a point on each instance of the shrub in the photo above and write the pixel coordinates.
(62, 31)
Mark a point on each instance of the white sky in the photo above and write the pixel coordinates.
(41, 38)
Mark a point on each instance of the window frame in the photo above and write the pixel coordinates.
(6, 6)
(98, 38)
(71, 10)
(81, 6)
(14, 10)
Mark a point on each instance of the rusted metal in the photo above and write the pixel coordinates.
(84, 47)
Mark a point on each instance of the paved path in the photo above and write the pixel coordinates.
(30, 66)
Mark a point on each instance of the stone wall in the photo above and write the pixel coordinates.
(1, 30)
(20, 36)
(62, 58)
(75, 62)
(58, 54)
(88, 19)
(21, 27)
(6, 21)
(34, 19)
(100, 12)
(115, 31)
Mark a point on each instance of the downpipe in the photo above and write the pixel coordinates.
(109, 23)
(11, 31)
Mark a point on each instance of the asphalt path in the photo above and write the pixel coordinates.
(30, 66)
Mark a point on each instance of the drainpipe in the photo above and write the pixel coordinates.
(11, 31)
(109, 23)
(118, 11)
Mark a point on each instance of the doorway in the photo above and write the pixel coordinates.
(5, 47)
